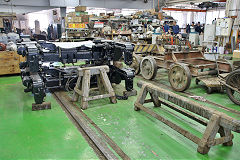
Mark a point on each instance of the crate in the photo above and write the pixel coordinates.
(9, 62)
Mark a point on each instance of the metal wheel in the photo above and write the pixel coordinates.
(233, 79)
(148, 68)
(136, 64)
(179, 77)
(226, 61)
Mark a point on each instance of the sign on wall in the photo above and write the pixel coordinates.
(98, 24)
(76, 25)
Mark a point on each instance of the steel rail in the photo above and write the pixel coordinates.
(62, 96)
(83, 124)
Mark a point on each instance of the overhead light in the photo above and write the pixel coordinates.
(7, 0)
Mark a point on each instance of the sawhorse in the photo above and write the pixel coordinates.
(82, 88)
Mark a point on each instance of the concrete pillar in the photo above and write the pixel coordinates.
(63, 11)
(184, 19)
(192, 17)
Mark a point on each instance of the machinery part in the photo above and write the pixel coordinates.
(148, 68)
(38, 89)
(179, 77)
(197, 81)
(136, 64)
(209, 90)
(233, 79)
(226, 61)
(116, 75)
(2, 47)
(39, 77)
(208, 5)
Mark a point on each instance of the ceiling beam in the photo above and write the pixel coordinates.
(184, 10)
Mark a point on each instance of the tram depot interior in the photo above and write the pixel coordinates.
(111, 79)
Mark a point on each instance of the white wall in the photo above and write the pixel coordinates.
(184, 18)
(45, 18)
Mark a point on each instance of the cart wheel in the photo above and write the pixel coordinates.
(233, 79)
(148, 68)
(136, 64)
(209, 90)
(179, 77)
(226, 61)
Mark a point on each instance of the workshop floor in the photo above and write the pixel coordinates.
(50, 134)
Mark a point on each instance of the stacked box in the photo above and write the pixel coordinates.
(72, 14)
(77, 19)
(80, 9)
(1, 23)
(81, 13)
(9, 62)
(68, 19)
(85, 18)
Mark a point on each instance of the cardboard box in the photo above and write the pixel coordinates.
(77, 19)
(85, 18)
(236, 54)
(102, 14)
(1, 23)
(68, 19)
(71, 14)
(80, 8)
(81, 13)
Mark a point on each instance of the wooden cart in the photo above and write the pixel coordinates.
(182, 66)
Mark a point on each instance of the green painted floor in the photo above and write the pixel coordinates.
(25, 134)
